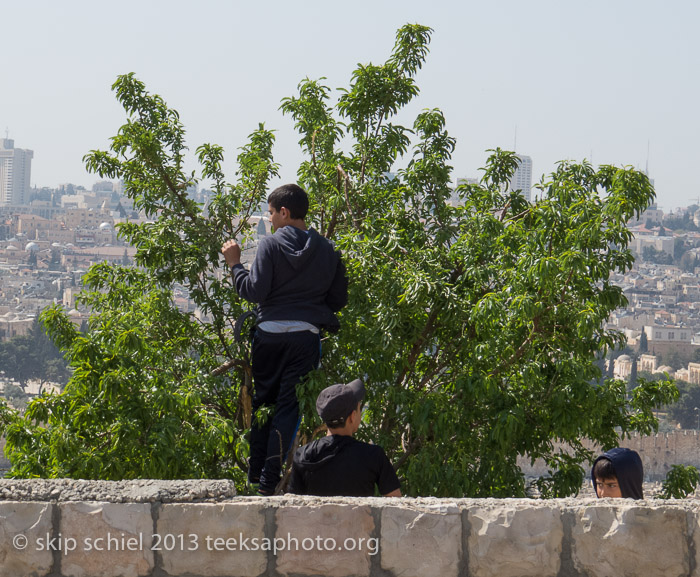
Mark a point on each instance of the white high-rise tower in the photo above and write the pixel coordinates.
(522, 179)
(15, 172)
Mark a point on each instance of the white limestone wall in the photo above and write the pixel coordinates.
(200, 529)
(658, 452)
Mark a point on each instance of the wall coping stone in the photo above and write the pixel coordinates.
(224, 490)
(131, 491)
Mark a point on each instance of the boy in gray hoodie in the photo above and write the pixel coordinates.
(298, 282)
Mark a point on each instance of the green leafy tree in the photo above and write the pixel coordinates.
(476, 326)
(142, 401)
(681, 481)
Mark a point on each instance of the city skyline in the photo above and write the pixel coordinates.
(15, 173)
(613, 83)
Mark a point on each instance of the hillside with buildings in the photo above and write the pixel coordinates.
(662, 318)
(49, 238)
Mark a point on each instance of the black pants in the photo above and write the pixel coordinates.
(280, 361)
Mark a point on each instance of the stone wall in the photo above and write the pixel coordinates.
(200, 528)
(658, 453)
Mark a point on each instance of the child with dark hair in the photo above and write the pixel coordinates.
(298, 281)
(339, 465)
(618, 473)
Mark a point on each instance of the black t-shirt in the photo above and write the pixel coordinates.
(341, 466)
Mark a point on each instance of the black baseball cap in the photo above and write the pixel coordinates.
(336, 402)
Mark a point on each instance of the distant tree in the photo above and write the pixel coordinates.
(687, 409)
(600, 365)
(683, 222)
(15, 395)
(33, 357)
(633, 380)
(32, 259)
(55, 262)
(643, 343)
(674, 360)
(653, 255)
(43, 194)
(679, 247)
(17, 359)
(610, 374)
(125, 258)
(688, 262)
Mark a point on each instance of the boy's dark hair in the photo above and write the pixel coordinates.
(336, 423)
(604, 469)
(292, 197)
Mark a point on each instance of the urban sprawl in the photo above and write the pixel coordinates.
(50, 237)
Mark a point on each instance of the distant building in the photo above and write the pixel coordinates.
(622, 367)
(666, 339)
(653, 214)
(648, 363)
(666, 334)
(15, 173)
(522, 179)
(660, 243)
(14, 325)
(694, 373)
(103, 186)
(455, 200)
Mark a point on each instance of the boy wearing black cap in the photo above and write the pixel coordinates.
(339, 465)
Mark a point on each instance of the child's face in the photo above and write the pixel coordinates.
(608, 488)
(276, 218)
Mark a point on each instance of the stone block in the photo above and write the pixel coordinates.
(213, 539)
(107, 539)
(333, 540)
(628, 540)
(511, 538)
(25, 532)
(421, 540)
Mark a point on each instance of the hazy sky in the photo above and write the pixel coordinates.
(614, 81)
